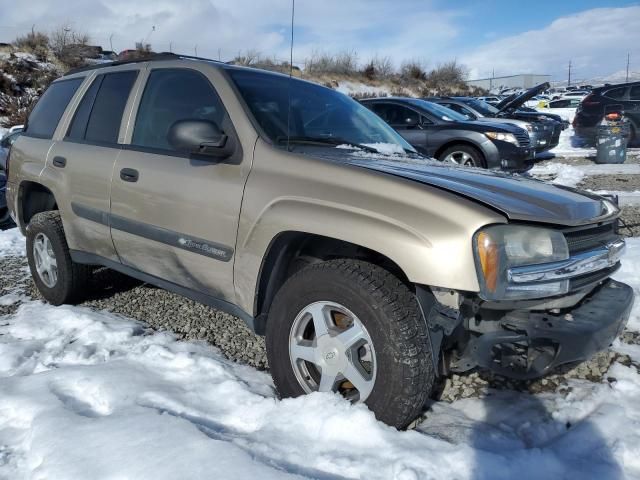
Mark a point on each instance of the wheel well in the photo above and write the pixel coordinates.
(34, 198)
(292, 251)
(455, 143)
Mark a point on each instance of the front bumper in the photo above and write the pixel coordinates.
(514, 158)
(529, 344)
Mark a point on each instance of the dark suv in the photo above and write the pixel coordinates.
(625, 97)
(442, 133)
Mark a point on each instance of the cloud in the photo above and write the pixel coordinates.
(596, 41)
(230, 26)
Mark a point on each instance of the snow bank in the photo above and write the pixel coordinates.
(12, 243)
(86, 394)
(361, 89)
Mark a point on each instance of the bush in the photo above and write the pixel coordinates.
(70, 47)
(36, 43)
(15, 110)
(447, 75)
(413, 70)
(342, 63)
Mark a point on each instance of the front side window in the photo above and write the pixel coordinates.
(283, 106)
(48, 111)
(172, 95)
(443, 113)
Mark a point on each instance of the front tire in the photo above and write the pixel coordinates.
(58, 279)
(351, 327)
(463, 155)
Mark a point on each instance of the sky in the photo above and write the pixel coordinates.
(500, 36)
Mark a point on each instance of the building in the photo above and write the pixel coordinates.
(525, 80)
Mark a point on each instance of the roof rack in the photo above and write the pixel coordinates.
(155, 57)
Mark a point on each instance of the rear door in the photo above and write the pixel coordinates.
(82, 163)
(632, 109)
(175, 216)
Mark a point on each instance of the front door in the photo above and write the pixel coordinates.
(173, 216)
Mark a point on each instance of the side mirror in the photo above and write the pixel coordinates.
(200, 137)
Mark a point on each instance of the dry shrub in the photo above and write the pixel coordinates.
(15, 110)
(71, 48)
(413, 70)
(449, 75)
(34, 42)
(342, 63)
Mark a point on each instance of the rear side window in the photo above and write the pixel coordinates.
(48, 111)
(616, 93)
(171, 95)
(99, 114)
(396, 115)
(634, 94)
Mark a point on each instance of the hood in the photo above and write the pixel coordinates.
(518, 198)
(515, 101)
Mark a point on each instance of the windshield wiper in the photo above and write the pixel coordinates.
(333, 141)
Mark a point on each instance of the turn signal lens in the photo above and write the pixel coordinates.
(488, 254)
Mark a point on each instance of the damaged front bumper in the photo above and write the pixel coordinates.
(529, 344)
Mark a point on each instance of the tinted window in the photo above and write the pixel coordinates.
(47, 113)
(396, 115)
(460, 109)
(172, 95)
(106, 114)
(616, 93)
(443, 113)
(634, 94)
(78, 126)
(315, 111)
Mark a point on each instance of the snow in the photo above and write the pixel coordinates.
(90, 394)
(361, 89)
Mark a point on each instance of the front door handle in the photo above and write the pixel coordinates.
(129, 175)
(59, 162)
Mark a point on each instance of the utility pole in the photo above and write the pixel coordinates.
(195, 49)
(219, 55)
(111, 42)
(628, 56)
(170, 47)
(569, 81)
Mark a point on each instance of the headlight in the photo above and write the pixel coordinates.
(529, 127)
(501, 247)
(505, 137)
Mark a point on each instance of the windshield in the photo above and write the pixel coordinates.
(443, 113)
(316, 112)
(481, 106)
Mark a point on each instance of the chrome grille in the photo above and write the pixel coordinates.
(590, 237)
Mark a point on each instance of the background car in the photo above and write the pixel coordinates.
(541, 131)
(623, 97)
(439, 132)
(564, 103)
(5, 219)
(5, 145)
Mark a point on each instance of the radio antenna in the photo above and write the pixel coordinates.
(293, 12)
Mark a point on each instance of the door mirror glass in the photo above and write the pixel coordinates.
(200, 137)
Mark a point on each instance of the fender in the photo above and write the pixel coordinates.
(426, 231)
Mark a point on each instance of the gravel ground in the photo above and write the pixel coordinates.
(625, 183)
(163, 310)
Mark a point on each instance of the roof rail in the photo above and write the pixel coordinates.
(154, 57)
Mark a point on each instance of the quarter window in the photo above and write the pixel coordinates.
(172, 95)
(634, 94)
(48, 111)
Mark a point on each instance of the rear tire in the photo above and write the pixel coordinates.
(463, 155)
(58, 279)
(400, 370)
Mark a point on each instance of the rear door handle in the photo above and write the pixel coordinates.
(60, 162)
(129, 175)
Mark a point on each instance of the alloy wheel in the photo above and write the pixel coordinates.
(45, 260)
(331, 351)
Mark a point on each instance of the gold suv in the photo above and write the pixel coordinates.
(370, 269)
